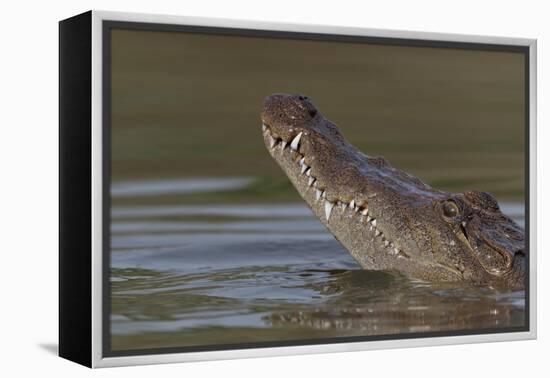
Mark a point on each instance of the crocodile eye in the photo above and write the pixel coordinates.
(450, 209)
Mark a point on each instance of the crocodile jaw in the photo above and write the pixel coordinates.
(350, 221)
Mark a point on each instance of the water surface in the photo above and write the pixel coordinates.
(190, 275)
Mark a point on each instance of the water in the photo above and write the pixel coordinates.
(140, 188)
(189, 275)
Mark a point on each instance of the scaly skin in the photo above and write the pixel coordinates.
(386, 218)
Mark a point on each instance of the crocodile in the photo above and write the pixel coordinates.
(386, 218)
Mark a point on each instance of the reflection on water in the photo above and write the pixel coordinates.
(219, 274)
(181, 186)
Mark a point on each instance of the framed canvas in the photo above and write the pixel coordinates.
(234, 189)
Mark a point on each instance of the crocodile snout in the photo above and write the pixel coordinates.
(285, 113)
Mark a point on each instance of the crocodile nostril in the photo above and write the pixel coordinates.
(312, 112)
(302, 98)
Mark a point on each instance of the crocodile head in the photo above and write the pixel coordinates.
(387, 218)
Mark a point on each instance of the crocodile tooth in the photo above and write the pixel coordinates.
(304, 168)
(344, 205)
(352, 204)
(376, 233)
(308, 172)
(328, 208)
(272, 141)
(386, 243)
(295, 142)
(302, 161)
(317, 194)
(396, 251)
(283, 145)
(374, 222)
(311, 181)
(324, 195)
(365, 211)
(264, 127)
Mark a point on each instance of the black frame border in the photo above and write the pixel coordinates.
(75, 184)
(109, 25)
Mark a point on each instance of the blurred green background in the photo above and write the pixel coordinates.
(188, 105)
